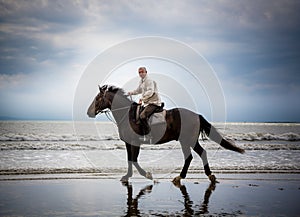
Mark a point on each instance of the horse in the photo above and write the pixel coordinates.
(180, 124)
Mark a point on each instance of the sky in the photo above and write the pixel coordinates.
(253, 47)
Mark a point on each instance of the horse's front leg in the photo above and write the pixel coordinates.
(132, 159)
(129, 161)
(135, 150)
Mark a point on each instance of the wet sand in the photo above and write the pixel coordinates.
(105, 195)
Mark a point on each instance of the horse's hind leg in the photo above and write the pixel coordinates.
(188, 158)
(202, 153)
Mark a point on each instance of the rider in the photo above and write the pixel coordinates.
(150, 98)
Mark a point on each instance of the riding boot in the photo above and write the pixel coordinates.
(145, 130)
(145, 126)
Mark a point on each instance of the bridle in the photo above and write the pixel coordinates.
(109, 116)
(108, 111)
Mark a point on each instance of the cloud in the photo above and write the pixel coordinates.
(36, 32)
(11, 81)
(252, 45)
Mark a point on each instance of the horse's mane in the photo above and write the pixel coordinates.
(116, 90)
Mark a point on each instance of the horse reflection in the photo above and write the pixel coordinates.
(133, 209)
(188, 204)
(132, 203)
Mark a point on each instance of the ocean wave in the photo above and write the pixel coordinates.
(250, 146)
(252, 136)
(31, 137)
(119, 145)
(55, 138)
(13, 145)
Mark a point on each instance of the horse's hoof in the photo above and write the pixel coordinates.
(149, 176)
(213, 179)
(176, 181)
(124, 179)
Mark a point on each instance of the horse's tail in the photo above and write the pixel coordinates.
(213, 134)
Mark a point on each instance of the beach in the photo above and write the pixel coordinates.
(69, 168)
(99, 195)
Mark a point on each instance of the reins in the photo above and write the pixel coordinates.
(107, 113)
(109, 116)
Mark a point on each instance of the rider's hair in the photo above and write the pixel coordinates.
(144, 68)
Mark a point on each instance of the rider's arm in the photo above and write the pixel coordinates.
(138, 90)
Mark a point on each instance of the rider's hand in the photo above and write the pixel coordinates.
(140, 101)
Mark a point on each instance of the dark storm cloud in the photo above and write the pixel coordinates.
(26, 30)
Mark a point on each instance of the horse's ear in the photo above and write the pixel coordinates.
(102, 88)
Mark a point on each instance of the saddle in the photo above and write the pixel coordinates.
(157, 117)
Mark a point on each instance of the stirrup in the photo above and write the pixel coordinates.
(146, 139)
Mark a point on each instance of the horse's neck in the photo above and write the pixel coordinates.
(120, 109)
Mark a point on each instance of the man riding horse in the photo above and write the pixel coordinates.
(150, 98)
(182, 125)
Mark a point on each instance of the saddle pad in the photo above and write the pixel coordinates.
(157, 118)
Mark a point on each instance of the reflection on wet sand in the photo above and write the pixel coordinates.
(132, 203)
(188, 210)
(188, 203)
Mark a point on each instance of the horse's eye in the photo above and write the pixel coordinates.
(98, 96)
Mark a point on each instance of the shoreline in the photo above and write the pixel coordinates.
(227, 175)
(94, 195)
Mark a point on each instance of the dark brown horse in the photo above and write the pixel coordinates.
(181, 124)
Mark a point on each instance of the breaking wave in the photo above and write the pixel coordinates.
(55, 138)
(119, 145)
(48, 141)
(264, 137)
(252, 136)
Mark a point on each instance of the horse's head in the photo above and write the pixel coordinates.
(102, 101)
(109, 97)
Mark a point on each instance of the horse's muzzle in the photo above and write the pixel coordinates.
(91, 115)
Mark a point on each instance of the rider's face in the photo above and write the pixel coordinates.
(142, 73)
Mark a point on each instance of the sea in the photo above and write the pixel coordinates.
(94, 147)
